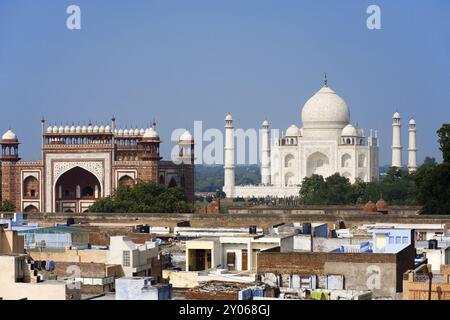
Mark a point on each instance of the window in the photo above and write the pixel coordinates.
(398, 240)
(422, 236)
(405, 240)
(126, 258)
(391, 240)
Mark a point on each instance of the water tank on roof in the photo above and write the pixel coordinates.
(432, 244)
(307, 228)
(252, 230)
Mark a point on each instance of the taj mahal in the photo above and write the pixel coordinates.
(327, 143)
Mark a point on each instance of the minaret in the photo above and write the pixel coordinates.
(396, 141)
(265, 153)
(228, 167)
(412, 150)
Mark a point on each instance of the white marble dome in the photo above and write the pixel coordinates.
(96, 129)
(396, 115)
(186, 137)
(229, 117)
(325, 110)
(50, 129)
(9, 135)
(84, 129)
(349, 131)
(142, 131)
(412, 122)
(78, 129)
(73, 129)
(107, 129)
(151, 133)
(292, 131)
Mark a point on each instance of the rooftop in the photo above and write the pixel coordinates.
(57, 229)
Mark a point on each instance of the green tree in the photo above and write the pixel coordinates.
(220, 194)
(433, 183)
(444, 141)
(429, 161)
(7, 206)
(144, 197)
(433, 180)
(338, 189)
(313, 190)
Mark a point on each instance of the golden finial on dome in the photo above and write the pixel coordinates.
(325, 80)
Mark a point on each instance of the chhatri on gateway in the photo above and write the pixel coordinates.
(326, 144)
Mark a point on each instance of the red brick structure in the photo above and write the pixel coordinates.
(382, 206)
(213, 207)
(81, 164)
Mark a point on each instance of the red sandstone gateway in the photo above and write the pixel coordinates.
(83, 163)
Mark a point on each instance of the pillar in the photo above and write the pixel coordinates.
(228, 167)
(396, 141)
(265, 154)
(412, 149)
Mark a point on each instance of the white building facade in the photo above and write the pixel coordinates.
(327, 143)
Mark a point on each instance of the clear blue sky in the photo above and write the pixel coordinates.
(187, 60)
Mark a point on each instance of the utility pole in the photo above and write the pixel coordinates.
(430, 277)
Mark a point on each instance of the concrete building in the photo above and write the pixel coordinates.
(142, 288)
(17, 222)
(422, 231)
(377, 265)
(136, 259)
(19, 280)
(232, 253)
(56, 237)
(99, 267)
(416, 283)
(436, 257)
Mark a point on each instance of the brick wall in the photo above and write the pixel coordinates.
(101, 236)
(11, 183)
(88, 270)
(233, 220)
(313, 262)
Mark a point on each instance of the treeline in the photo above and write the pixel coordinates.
(396, 187)
(429, 186)
(148, 197)
(210, 178)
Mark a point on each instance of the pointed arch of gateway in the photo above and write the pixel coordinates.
(126, 181)
(30, 208)
(75, 190)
